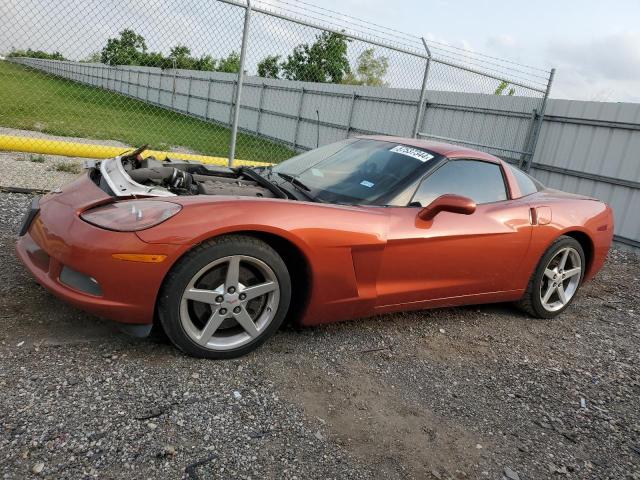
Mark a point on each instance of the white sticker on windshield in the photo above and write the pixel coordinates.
(366, 183)
(317, 173)
(412, 152)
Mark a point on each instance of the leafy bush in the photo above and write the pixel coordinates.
(36, 54)
(130, 48)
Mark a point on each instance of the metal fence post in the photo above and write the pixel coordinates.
(536, 134)
(173, 95)
(526, 147)
(243, 54)
(260, 105)
(206, 103)
(352, 104)
(295, 133)
(234, 88)
(423, 92)
(189, 93)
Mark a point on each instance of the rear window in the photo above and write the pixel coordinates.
(526, 184)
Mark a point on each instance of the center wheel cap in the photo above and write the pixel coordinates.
(231, 298)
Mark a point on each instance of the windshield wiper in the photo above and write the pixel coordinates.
(260, 180)
(298, 185)
(295, 181)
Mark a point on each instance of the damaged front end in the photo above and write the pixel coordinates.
(132, 175)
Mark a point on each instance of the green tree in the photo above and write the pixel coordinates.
(206, 63)
(323, 61)
(180, 57)
(36, 54)
(125, 50)
(269, 67)
(95, 57)
(370, 70)
(153, 59)
(502, 87)
(231, 64)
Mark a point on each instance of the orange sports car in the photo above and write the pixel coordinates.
(220, 257)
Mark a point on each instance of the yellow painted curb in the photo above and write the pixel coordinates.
(86, 150)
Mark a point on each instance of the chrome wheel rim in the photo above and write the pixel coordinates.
(229, 302)
(561, 279)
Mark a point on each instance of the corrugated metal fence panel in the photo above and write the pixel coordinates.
(598, 140)
(501, 121)
(606, 150)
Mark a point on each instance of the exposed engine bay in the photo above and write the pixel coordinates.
(133, 175)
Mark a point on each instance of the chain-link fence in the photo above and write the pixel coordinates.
(254, 82)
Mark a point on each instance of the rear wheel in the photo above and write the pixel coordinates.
(225, 297)
(556, 280)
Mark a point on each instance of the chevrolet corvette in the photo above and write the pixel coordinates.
(220, 257)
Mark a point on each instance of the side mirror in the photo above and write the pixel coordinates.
(447, 203)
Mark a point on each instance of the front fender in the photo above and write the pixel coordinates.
(326, 235)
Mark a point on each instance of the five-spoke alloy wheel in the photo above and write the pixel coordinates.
(556, 280)
(561, 279)
(225, 297)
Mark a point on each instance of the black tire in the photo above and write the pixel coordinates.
(531, 302)
(181, 274)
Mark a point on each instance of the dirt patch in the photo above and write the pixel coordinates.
(401, 439)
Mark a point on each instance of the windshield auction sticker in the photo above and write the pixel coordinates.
(412, 152)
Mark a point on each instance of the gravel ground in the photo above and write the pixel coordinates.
(477, 392)
(30, 170)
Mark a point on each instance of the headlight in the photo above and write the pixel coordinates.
(132, 215)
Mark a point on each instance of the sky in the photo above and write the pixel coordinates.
(594, 45)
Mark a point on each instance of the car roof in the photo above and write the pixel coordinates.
(446, 149)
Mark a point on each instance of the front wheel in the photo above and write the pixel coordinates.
(225, 297)
(556, 280)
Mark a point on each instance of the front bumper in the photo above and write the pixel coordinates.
(58, 241)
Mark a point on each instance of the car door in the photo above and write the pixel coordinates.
(455, 255)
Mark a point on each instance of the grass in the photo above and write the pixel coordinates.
(66, 167)
(36, 158)
(32, 100)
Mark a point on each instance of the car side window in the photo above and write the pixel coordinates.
(526, 184)
(481, 181)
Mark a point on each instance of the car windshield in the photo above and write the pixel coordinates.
(354, 171)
